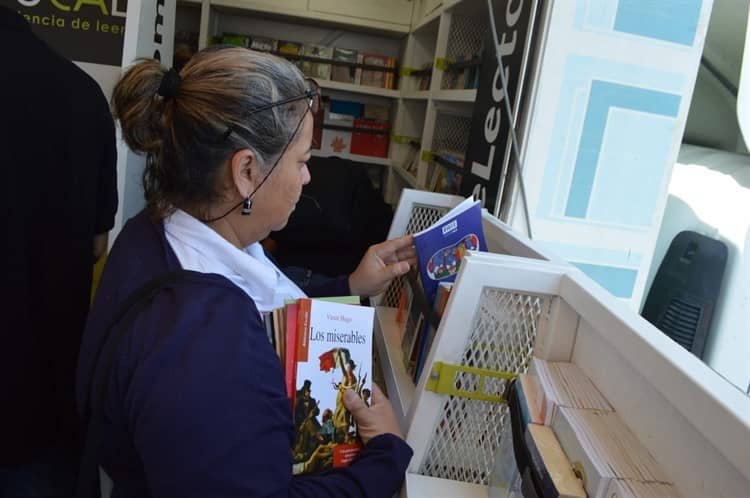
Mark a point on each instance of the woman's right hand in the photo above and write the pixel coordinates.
(373, 420)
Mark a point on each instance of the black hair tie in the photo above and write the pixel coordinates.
(170, 84)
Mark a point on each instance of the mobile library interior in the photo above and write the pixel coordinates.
(600, 93)
(517, 302)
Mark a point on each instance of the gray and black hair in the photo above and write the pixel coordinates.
(185, 136)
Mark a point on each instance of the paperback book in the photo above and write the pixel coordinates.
(316, 69)
(441, 247)
(333, 355)
(603, 448)
(346, 73)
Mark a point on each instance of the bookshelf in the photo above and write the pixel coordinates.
(368, 27)
(362, 89)
(420, 34)
(441, 32)
(519, 297)
(405, 175)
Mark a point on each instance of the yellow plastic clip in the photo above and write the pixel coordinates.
(427, 156)
(443, 63)
(404, 139)
(447, 379)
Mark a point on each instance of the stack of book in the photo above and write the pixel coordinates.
(417, 333)
(263, 44)
(560, 384)
(319, 70)
(560, 407)
(440, 250)
(373, 77)
(448, 172)
(346, 73)
(620, 488)
(602, 446)
(351, 127)
(313, 60)
(425, 77)
(325, 348)
(463, 73)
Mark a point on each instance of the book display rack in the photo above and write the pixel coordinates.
(517, 302)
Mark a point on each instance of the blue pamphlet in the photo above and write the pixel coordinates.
(441, 247)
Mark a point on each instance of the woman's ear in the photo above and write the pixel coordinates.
(245, 171)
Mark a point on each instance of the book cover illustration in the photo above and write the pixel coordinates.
(441, 247)
(334, 354)
(446, 260)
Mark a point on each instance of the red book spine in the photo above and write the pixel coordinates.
(290, 360)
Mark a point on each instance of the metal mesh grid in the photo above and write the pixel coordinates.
(468, 434)
(451, 133)
(422, 217)
(464, 40)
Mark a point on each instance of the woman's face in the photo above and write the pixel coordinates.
(277, 198)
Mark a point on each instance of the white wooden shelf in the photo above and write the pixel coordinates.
(469, 95)
(302, 14)
(416, 95)
(427, 20)
(381, 161)
(405, 175)
(419, 486)
(692, 421)
(363, 89)
(398, 382)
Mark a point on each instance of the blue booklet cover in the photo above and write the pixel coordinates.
(441, 247)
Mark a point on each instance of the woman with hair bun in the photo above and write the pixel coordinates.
(184, 394)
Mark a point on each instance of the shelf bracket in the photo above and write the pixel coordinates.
(444, 379)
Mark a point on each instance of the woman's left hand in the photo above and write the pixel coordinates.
(382, 263)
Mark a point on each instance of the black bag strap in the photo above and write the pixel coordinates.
(88, 485)
(531, 487)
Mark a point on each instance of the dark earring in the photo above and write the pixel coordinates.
(246, 205)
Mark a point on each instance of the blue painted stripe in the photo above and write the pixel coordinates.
(670, 20)
(602, 97)
(619, 281)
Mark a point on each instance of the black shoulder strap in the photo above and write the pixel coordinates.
(88, 478)
(531, 485)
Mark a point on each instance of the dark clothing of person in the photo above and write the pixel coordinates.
(196, 405)
(58, 189)
(339, 216)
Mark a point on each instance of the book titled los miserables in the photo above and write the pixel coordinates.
(334, 354)
(441, 247)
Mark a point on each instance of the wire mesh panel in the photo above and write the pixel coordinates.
(422, 217)
(464, 40)
(468, 435)
(451, 133)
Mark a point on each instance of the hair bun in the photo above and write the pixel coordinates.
(170, 84)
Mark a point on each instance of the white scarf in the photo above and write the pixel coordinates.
(200, 248)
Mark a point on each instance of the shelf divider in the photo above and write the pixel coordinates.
(364, 89)
(381, 161)
(398, 382)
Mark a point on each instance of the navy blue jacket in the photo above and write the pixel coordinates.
(196, 403)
